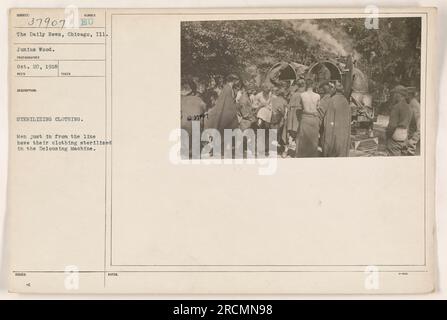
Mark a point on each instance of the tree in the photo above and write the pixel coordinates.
(217, 48)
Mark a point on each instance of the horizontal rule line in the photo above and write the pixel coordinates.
(267, 265)
(55, 43)
(61, 28)
(34, 60)
(60, 76)
(217, 271)
(362, 14)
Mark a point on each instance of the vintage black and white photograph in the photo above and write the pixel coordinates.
(301, 88)
(225, 151)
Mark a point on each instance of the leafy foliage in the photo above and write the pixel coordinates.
(213, 49)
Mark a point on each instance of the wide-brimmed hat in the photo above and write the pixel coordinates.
(400, 89)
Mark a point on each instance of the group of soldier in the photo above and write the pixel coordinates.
(310, 119)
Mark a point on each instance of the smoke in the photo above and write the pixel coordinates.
(321, 37)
